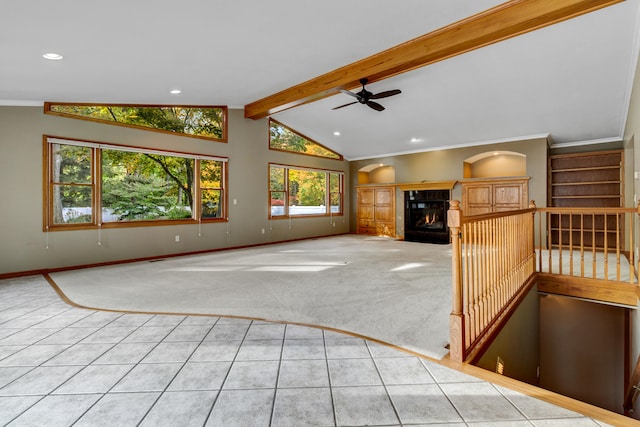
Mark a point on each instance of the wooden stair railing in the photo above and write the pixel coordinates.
(594, 243)
(588, 253)
(583, 254)
(493, 263)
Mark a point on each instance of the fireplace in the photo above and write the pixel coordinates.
(425, 216)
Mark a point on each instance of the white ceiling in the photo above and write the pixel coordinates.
(571, 81)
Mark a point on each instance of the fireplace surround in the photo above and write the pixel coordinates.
(425, 216)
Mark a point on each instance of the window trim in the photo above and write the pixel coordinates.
(327, 195)
(96, 176)
(224, 108)
(340, 156)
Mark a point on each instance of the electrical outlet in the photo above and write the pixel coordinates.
(177, 238)
(262, 231)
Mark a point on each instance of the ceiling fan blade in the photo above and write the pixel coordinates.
(375, 105)
(346, 92)
(345, 105)
(385, 94)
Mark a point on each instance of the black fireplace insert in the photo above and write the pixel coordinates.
(425, 216)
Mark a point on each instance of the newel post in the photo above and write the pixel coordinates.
(456, 324)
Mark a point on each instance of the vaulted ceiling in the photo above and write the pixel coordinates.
(571, 80)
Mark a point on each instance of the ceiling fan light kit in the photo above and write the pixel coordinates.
(365, 97)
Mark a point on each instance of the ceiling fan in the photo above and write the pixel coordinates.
(365, 97)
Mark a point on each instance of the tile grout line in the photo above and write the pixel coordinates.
(111, 364)
(512, 404)
(40, 365)
(455, 408)
(275, 391)
(30, 370)
(215, 400)
(155, 402)
(384, 384)
(326, 361)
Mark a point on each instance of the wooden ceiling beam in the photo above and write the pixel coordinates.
(499, 23)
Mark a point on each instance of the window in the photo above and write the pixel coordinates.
(72, 184)
(91, 184)
(206, 122)
(285, 139)
(301, 191)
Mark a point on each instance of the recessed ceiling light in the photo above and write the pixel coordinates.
(336, 133)
(52, 56)
(175, 91)
(416, 139)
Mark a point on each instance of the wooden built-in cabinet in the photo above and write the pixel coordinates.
(482, 196)
(586, 180)
(376, 210)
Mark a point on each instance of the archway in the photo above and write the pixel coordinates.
(492, 164)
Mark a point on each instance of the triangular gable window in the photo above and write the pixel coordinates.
(284, 138)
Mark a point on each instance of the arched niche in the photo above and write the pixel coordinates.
(376, 173)
(493, 164)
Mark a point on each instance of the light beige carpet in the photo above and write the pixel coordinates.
(393, 291)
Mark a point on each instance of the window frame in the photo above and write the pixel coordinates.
(271, 120)
(224, 108)
(96, 173)
(327, 195)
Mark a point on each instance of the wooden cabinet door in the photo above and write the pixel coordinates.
(366, 196)
(365, 212)
(494, 196)
(478, 199)
(507, 197)
(385, 211)
(376, 211)
(384, 204)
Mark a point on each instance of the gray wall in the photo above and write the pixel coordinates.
(518, 343)
(25, 247)
(445, 165)
(582, 350)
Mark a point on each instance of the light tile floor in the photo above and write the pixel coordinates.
(61, 366)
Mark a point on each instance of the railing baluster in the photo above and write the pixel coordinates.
(593, 245)
(559, 243)
(476, 317)
(581, 244)
(632, 265)
(549, 241)
(618, 247)
(467, 287)
(606, 248)
(570, 244)
(539, 239)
